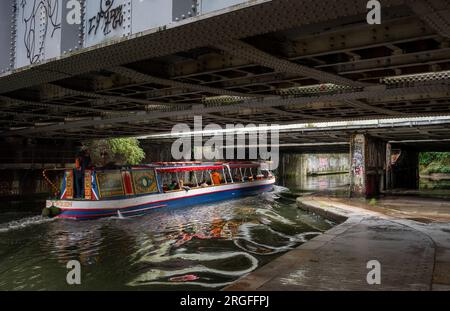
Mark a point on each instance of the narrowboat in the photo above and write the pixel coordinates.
(136, 190)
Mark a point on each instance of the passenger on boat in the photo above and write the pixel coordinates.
(173, 185)
(78, 178)
(216, 178)
(204, 184)
(267, 174)
(183, 186)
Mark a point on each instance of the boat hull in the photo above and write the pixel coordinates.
(137, 206)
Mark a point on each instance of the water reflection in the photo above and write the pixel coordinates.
(320, 183)
(195, 248)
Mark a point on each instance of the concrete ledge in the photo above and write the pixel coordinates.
(325, 212)
(337, 259)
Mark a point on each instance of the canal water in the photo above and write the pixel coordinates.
(192, 248)
(335, 184)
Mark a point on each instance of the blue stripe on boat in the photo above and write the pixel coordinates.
(178, 202)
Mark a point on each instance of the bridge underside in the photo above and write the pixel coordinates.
(271, 62)
(261, 62)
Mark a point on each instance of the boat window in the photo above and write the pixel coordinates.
(173, 185)
(144, 181)
(189, 180)
(194, 174)
(169, 181)
(249, 174)
(110, 184)
(237, 175)
(241, 175)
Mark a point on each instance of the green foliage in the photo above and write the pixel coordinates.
(128, 148)
(436, 168)
(373, 202)
(119, 151)
(435, 162)
(426, 158)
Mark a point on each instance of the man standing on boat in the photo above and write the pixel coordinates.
(82, 161)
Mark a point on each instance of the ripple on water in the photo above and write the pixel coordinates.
(23, 223)
(206, 246)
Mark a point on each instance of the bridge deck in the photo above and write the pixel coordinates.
(278, 62)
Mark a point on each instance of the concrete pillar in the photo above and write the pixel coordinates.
(388, 176)
(292, 169)
(367, 156)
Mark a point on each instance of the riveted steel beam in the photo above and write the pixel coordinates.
(200, 31)
(294, 114)
(361, 36)
(138, 76)
(234, 120)
(147, 103)
(249, 52)
(31, 115)
(18, 102)
(421, 58)
(359, 104)
(436, 13)
(372, 92)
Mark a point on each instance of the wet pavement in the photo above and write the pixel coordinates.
(413, 255)
(420, 209)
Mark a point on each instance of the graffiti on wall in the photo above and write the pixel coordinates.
(358, 164)
(109, 17)
(47, 29)
(40, 19)
(327, 163)
(107, 20)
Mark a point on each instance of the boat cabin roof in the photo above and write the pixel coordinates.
(172, 167)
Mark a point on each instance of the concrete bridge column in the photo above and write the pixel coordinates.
(367, 156)
(388, 177)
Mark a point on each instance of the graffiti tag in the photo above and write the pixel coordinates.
(108, 18)
(34, 14)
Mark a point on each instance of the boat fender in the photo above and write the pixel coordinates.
(51, 212)
(46, 212)
(55, 211)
